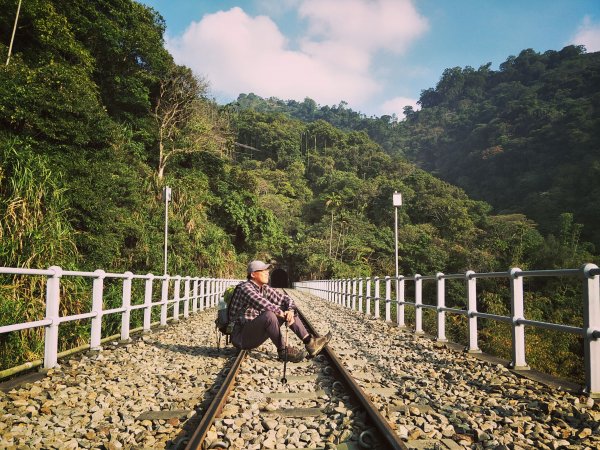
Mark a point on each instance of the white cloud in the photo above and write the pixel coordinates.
(364, 24)
(333, 61)
(396, 106)
(588, 34)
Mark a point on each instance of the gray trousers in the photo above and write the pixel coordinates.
(266, 326)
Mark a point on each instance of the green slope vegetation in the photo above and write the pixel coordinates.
(95, 119)
(524, 138)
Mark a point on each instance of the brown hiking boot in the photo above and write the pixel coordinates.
(316, 344)
(294, 355)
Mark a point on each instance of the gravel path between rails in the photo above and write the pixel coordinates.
(442, 393)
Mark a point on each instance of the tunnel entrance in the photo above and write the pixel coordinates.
(279, 279)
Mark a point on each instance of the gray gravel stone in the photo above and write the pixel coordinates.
(94, 400)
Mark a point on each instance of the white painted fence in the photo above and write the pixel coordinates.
(198, 292)
(349, 292)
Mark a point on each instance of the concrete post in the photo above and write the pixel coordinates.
(388, 299)
(126, 315)
(148, 302)
(52, 313)
(176, 297)
(441, 303)
(518, 312)
(400, 302)
(164, 299)
(591, 323)
(472, 308)
(368, 298)
(418, 303)
(376, 312)
(186, 297)
(97, 294)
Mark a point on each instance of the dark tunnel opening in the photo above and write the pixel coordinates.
(280, 279)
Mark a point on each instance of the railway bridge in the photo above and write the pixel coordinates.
(155, 385)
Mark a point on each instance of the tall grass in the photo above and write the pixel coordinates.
(33, 231)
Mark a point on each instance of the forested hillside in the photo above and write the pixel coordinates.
(96, 119)
(524, 138)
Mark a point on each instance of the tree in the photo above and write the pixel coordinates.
(332, 201)
(187, 121)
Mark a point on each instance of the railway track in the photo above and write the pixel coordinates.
(317, 405)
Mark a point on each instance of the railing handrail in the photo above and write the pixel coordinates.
(201, 292)
(344, 292)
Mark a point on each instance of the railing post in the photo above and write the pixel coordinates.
(376, 306)
(52, 313)
(209, 292)
(215, 292)
(186, 295)
(97, 295)
(333, 288)
(418, 303)
(518, 312)
(126, 315)
(472, 308)
(441, 303)
(388, 299)
(360, 295)
(368, 298)
(400, 301)
(195, 296)
(148, 302)
(164, 300)
(354, 294)
(202, 294)
(176, 297)
(591, 325)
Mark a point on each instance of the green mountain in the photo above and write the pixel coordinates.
(524, 138)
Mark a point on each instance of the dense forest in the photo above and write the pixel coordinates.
(524, 138)
(96, 119)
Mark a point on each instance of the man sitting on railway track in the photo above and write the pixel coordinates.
(258, 311)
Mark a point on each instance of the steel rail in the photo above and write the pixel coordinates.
(386, 432)
(390, 439)
(216, 405)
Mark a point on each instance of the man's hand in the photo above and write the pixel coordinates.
(288, 316)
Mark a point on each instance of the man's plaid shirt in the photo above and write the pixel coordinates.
(250, 301)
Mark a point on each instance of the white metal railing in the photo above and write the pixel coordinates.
(345, 292)
(200, 292)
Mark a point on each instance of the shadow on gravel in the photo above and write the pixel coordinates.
(198, 350)
(182, 439)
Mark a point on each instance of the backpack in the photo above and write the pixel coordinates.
(222, 322)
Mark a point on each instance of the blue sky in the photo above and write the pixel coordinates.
(376, 55)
